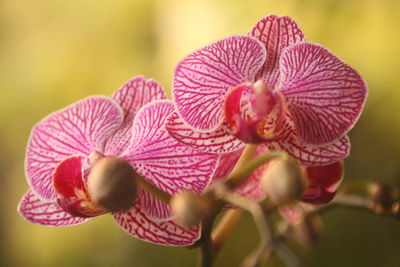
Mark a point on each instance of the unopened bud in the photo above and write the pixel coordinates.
(190, 208)
(112, 184)
(283, 181)
(384, 197)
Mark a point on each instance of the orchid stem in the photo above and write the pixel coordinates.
(237, 176)
(353, 201)
(224, 228)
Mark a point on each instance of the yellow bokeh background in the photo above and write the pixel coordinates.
(55, 52)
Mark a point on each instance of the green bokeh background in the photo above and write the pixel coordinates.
(55, 52)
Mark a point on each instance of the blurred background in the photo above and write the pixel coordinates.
(54, 52)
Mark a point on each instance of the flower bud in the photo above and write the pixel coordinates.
(383, 195)
(190, 208)
(283, 181)
(112, 184)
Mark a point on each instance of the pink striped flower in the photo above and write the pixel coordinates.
(270, 87)
(129, 125)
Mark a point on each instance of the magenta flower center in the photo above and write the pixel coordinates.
(254, 113)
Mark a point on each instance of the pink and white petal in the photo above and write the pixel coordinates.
(312, 155)
(78, 129)
(39, 211)
(226, 164)
(276, 33)
(163, 161)
(203, 78)
(324, 95)
(136, 223)
(250, 188)
(217, 141)
(155, 209)
(132, 95)
(136, 93)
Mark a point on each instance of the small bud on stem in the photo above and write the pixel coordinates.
(112, 184)
(190, 208)
(283, 181)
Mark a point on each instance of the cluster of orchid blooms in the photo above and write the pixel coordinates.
(128, 154)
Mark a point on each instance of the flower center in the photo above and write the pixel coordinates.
(254, 113)
(110, 185)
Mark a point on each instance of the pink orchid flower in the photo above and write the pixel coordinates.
(270, 87)
(129, 125)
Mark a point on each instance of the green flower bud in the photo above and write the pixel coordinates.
(283, 181)
(112, 184)
(190, 208)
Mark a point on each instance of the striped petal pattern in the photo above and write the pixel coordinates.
(78, 129)
(39, 211)
(163, 161)
(154, 208)
(203, 78)
(276, 33)
(217, 141)
(136, 223)
(324, 95)
(132, 95)
(312, 155)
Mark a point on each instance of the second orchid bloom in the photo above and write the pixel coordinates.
(271, 87)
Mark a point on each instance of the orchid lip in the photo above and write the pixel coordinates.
(254, 113)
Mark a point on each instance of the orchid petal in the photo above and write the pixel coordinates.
(226, 164)
(276, 33)
(217, 141)
(43, 212)
(326, 176)
(324, 95)
(250, 188)
(134, 94)
(136, 223)
(317, 195)
(68, 177)
(163, 161)
(203, 78)
(78, 129)
(155, 209)
(311, 155)
(307, 154)
(80, 207)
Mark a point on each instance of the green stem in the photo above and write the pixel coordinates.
(239, 175)
(153, 190)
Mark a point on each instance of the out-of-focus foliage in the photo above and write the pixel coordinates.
(54, 52)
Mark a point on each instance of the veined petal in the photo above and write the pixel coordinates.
(312, 155)
(78, 129)
(276, 33)
(324, 95)
(203, 78)
(226, 164)
(155, 209)
(132, 95)
(43, 212)
(217, 141)
(136, 223)
(163, 161)
(250, 188)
